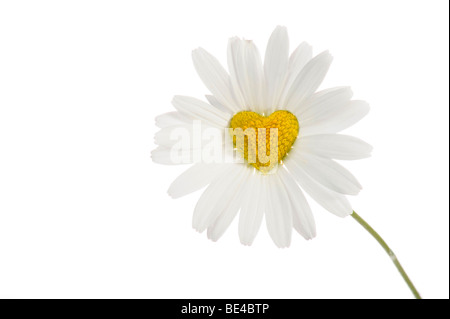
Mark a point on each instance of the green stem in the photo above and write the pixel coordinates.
(389, 252)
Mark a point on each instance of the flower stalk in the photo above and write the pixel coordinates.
(389, 251)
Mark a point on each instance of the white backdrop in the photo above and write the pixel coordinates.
(84, 212)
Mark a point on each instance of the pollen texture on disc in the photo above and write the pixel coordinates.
(253, 147)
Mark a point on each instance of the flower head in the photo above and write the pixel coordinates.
(281, 133)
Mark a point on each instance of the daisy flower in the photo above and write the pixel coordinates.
(281, 136)
(279, 93)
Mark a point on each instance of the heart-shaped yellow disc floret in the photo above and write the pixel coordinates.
(262, 153)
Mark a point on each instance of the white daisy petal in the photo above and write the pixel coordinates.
(167, 136)
(172, 119)
(252, 211)
(322, 102)
(276, 63)
(214, 102)
(308, 81)
(337, 119)
(328, 173)
(217, 196)
(215, 78)
(278, 211)
(186, 133)
(298, 59)
(254, 79)
(337, 146)
(220, 225)
(303, 218)
(200, 110)
(246, 72)
(194, 178)
(163, 155)
(335, 203)
(235, 65)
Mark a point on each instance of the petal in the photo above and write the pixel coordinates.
(215, 78)
(200, 110)
(214, 102)
(308, 81)
(254, 76)
(278, 211)
(328, 173)
(168, 136)
(172, 119)
(303, 218)
(337, 146)
(276, 63)
(298, 59)
(234, 59)
(337, 119)
(191, 135)
(322, 102)
(164, 155)
(194, 178)
(246, 72)
(331, 201)
(252, 211)
(217, 196)
(220, 225)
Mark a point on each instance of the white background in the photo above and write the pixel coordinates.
(84, 212)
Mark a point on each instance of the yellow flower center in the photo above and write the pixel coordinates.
(264, 140)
